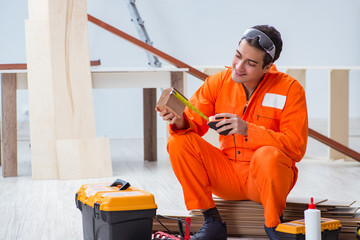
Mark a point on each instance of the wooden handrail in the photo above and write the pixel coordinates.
(13, 66)
(147, 47)
(335, 145)
(23, 66)
(312, 133)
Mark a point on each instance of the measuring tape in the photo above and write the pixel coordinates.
(187, 103)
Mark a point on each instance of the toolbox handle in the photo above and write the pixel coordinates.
(125, 185)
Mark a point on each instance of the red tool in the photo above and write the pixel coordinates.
(164, 236)
(183, 236)
(187, 228)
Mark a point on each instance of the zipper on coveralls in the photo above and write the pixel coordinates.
(246, 105)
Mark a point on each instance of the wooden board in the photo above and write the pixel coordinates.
(71, 70)
(169, 102)
(337, 203)
(41, 101)
(304, 201)
(60, 91)
(84, 158)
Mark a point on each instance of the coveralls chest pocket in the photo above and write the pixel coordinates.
(268, 117)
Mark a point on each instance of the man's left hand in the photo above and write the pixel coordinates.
(237, 125)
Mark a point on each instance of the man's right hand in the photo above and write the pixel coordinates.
(180, 123)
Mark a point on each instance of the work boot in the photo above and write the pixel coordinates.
(271, 232)
(212, 229)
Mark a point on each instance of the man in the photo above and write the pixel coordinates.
(265, 111)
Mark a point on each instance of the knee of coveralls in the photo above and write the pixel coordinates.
(274, 175)
(187, 162)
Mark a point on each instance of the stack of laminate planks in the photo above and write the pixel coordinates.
(246, 219)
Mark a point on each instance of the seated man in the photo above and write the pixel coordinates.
(266, 113)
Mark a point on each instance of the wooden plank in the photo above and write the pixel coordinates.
(23, 66)
(73, 100)
(59, 69)
(8, 125)
(41, 100)
(150, 129)
(84, 158)
(169, 102)
(304, 201)
(343, 210)
(71, 70)
(337, 203)
(339, 110)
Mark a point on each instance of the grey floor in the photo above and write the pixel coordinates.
(45, 209)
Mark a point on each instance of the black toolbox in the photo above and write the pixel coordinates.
(115, 211)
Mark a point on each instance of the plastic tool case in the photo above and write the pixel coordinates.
(295, 230)
(115, 211)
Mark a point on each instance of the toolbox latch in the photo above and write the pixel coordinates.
(78, 205)
(124, 184)
(96, 210)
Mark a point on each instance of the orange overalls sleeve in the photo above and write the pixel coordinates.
(204, 100)
(293, 134)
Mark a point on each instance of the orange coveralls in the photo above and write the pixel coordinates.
(264, 170)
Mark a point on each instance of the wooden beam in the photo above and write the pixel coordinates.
(150, 128)
(23, 66)
(9, 126)
(41, 100)
(338, 109)
(13, 66)
(147, 47)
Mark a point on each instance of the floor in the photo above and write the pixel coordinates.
(45, 209)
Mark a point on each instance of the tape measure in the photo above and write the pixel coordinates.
(187, 103)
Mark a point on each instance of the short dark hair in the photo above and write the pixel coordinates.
(274, 35)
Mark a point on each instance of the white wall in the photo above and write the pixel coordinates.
(204, 32)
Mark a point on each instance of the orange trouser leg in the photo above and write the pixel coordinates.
(272, 175)
(203, 169)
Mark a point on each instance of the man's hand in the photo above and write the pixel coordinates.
(237, 125)
(180, 123)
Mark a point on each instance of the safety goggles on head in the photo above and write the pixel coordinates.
(264, 41)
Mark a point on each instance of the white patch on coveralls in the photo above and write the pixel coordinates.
(274, 100)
